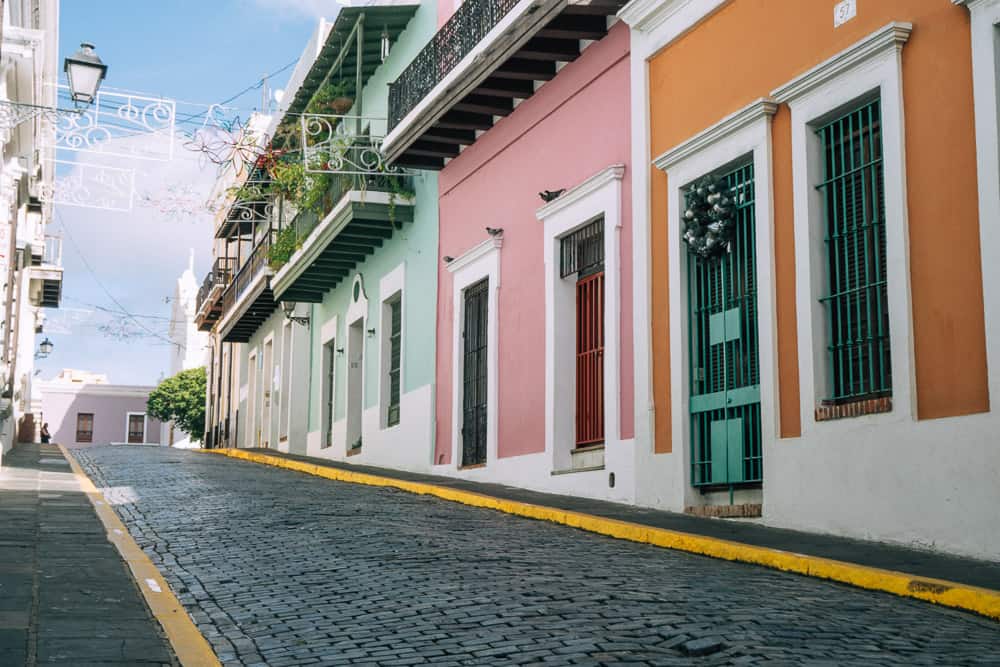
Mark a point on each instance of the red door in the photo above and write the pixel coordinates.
(590, 360)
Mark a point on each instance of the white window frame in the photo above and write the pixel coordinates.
(871, 66)
(328, 354)
(253, 379)
(145, 425)
(600, 196)
(746, 133)
(357, 311)
(480, 261)
(390, 288)
(985, 29)
(284, 385)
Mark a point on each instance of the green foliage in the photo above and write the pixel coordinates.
(304, 190)
(284, 246)
(320, 102)
(181, 399)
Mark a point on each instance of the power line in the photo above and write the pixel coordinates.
(93, 274)
(254, 86)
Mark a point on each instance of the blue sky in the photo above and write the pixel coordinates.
(193, 51)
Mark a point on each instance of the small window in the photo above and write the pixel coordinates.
(84, 427)
(395, 359)
(582, 251)
(853, 201)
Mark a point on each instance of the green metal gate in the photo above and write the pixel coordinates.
(724, 363)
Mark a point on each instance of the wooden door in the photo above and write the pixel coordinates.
(590, 360)
(475, 343)
(136, 429)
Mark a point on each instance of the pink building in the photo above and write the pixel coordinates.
(534, 344)
(83, 409)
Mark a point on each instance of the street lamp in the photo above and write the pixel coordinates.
(44, 349)
(289, 308)
(84, 71)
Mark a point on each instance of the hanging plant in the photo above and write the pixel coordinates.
(282, 248)
(710, 217)
(332, 97)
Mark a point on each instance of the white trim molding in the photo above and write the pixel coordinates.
(145, 425)
(389, 287)
(480, 261)
(729, 125)
(813, 98)
(663, 21)
(985, 29)
(475, 253)
(890, 37)
(598, 197)
(745, 134)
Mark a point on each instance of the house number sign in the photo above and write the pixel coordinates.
(844, 11)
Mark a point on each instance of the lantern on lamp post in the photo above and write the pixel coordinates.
(84, 70)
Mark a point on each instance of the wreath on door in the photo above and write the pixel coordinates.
(710, 217)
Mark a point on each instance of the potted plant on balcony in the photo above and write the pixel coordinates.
(332, 97)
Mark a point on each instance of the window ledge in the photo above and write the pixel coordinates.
(353, 451)
(570, 471)
(859, 408)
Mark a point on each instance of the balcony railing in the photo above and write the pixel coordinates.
(401, 185)
(219, 276)
(457, 37)
(246, 274)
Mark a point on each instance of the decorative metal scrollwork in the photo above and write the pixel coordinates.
(90, 186)
(334, 145)
(112, 124)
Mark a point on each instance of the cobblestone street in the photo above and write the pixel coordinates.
(278, 568)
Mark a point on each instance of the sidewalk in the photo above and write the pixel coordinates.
(65, 594)
(763, 545)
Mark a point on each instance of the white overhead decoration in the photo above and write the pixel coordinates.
(90, 186)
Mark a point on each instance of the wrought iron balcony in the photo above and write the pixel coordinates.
(453, 41)
(487, 56)
(208, 304)
(255, 264)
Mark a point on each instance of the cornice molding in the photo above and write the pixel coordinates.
(890, 37)
(753, 112)
(475, 252)
(581, 191)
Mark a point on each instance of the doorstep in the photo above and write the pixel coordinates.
(964, 583)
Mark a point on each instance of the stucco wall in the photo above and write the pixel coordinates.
(573, 127)
(60, 408)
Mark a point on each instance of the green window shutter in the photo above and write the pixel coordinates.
(395, 359)
(857, 298)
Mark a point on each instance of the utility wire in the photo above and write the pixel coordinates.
(93, 274)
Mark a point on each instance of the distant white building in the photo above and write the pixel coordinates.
(189, 347)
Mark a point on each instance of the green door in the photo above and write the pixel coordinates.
(724, 363)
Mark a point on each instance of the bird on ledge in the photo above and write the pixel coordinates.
(549, 195)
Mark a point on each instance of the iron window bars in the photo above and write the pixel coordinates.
(857, 302)
(583, 250)
(723, 350)
(395, 359)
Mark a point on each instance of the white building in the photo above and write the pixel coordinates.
(189, 347)
(30, 258)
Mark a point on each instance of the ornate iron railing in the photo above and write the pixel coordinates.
(221, 274)
(457, 37)
(343, 144)
(256, 261)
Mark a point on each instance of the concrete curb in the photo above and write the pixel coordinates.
(189, 645)
(981, 601)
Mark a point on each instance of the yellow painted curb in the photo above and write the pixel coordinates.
(946, 593)
(190, 646)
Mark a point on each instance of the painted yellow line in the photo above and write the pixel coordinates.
(946, 593)
(190, 646)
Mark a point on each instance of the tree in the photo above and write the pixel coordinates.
(181, 399)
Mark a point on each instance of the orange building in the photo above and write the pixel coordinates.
(816, 190)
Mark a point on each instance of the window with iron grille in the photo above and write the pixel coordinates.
(395, 359)
(84, 427)
(583, 250)
(856, 303)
